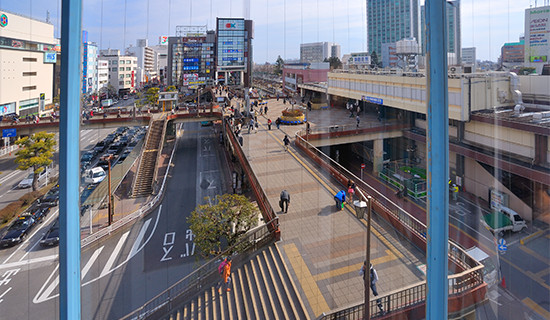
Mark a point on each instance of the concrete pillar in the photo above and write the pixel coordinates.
(378, 160)
(242, 77)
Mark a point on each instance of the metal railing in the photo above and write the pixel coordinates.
(205, 276)
(6, 150)
(470, 277)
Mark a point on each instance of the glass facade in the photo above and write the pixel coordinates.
(231, 43)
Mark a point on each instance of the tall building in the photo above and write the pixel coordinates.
(234, 51)
(512, 53)
(102, 73)
(191, 57)
(28, 52)
(537, 37)
(161, 61)
(122, 70)
(318, 51)
(388, 55)
(89, 65)
(389, 21)
(145, 61)
(468, 56)
(454, 43)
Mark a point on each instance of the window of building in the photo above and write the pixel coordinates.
(128, 75)
(128, 68)
(29, 74)
(128, 61)
(29, 59)
(29, 88)
(128, 82)
(114, 69)
(120, 83)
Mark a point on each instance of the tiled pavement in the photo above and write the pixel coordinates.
(323, 248)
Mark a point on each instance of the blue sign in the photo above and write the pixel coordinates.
(502, 245)
(50, 57)
(7, 133)
(373, 100)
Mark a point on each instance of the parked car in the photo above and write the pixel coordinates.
(27, 182)
(51, 237)
(17, 231)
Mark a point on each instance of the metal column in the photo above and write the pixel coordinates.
(69, 127)
(438, 161)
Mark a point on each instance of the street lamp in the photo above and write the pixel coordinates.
(111, 205)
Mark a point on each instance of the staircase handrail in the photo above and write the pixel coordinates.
(147, 137)
(205, 275)
(159, 152)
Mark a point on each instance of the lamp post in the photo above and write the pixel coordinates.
(111, 205)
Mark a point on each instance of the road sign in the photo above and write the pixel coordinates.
(502, 247)
(362, 166)
(6, 133)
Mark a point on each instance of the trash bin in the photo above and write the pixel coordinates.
(360, 208)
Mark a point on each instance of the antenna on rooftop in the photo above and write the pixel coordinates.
(47, 16)
(246, 9)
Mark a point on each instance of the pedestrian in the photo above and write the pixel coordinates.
(455, 192)
(373, 279)
(278, 123)
(265, 109)
(286, 141)
(284, 201)
(309, 105)
(225, 268)
(92, 113)
(250, 124)
(104, 115)
(284, 100)
(119, 113)
(277, 97)
(340, 198)
(351, 190)
(357, 119)
(269, 124)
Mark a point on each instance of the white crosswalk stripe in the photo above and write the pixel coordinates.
(114, 254)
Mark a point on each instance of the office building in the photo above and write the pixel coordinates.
(102, 74)
(454, 43)
(28, 53)
(160, 63)
(145, 61)
(234, 51)
(122, 70)
(318, 51)
(512, 53)
(89, 65)
(468, 56)
(537, 37)
(388, 57)
(390, 21)
(191, 57)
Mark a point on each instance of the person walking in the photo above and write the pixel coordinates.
(351, 190)
(284, 201)
(286, 141)
(278, 123)
(357, 119)
(250, 125)
(225, 271)
(269, 124)
(265, 108)
(373, 279)
(340, 198)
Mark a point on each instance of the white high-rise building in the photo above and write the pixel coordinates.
(89, 68)
(122, 70)
(318, 51)
(469, 58)
(102, 73)
(28, 53)
(145, 61)
(161, 61)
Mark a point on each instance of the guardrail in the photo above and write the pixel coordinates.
(263, 202)
(466, 288)
(206, 275)
(7, 150)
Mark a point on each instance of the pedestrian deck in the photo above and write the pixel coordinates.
(323, 248)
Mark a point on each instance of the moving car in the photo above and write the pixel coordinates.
(503, 219)
(27, 182)
(95, 175)
(17, 231)
(51, 237)
(38, 211)
(50, 199)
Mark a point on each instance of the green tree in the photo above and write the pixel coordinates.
(36, 152)
(374, 60)
(334, 62)
(152, 96)
(279, 66)
(171, 88)
(220, 221)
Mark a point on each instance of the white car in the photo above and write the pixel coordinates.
(27, 182)
(95, 175)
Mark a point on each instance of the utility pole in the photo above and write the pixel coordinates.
(111, 208)
(367, 265)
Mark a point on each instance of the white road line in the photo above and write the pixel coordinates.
(26, 241)
(22, 263)
(139, 238)
(41, 295)
(37, 242)
(90, 262)
(114, 254)
(9, 175)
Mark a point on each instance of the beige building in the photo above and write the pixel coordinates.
(27, 57)
(122, 70)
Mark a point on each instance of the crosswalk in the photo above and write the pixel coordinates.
(102, 262)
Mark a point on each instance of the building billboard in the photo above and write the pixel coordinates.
(163, 40)
(537, 34)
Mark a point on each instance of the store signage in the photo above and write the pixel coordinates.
(3, 20)
(163, 40)
(50, 57)
(372, 99)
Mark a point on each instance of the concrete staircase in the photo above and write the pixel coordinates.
(261, 289)
(143, 182)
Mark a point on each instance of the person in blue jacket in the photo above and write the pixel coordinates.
(340, 198)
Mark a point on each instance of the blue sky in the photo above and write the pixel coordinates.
(280, 25)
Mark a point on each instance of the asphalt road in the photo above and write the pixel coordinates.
(123, 271)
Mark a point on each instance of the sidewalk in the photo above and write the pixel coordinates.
(324, 248)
